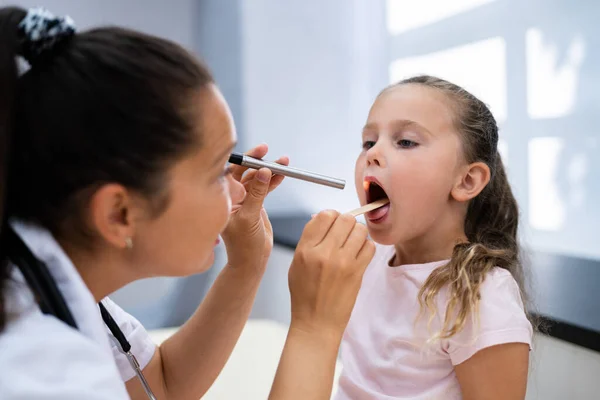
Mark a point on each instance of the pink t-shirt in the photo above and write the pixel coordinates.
(386, 355)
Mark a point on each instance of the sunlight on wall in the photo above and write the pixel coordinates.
(479, 67)
(403, 15)
(503, 150)
(546, 209)
(552, 78)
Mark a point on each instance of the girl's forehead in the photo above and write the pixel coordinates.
(426, 106)
(414, 96)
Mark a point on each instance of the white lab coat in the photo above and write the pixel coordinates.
(42, 358)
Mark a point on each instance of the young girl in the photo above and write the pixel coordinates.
(440, 314)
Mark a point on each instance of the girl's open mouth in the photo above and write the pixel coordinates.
(375, 192)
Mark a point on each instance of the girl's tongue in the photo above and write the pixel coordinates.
(378, 213)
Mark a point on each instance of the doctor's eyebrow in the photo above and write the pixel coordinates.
(218, 160)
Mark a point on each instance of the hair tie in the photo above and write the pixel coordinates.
(41, 33)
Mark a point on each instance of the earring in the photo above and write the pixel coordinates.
(129, 243)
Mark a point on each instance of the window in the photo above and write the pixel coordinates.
(536, 72)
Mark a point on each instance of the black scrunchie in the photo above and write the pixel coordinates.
(41, 33)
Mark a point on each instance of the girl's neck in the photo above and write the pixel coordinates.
(436, 245)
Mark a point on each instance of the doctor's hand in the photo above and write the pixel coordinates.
(326, 273)
(248, 236)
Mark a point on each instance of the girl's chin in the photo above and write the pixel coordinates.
(382, 238)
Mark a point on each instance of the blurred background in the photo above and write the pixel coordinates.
(301, 75)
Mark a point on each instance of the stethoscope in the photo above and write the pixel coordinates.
(52, 302)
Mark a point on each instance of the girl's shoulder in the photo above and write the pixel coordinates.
(501, 318)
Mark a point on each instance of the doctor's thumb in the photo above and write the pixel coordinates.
(257, 190)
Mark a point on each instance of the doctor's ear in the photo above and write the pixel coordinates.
(113, 211)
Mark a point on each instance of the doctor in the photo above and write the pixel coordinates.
(114, 149)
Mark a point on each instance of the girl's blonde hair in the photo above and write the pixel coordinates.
(492, 218)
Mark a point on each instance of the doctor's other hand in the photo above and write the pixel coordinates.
(248, 236)
(326, 272)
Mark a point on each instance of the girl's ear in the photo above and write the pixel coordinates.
(471, 181)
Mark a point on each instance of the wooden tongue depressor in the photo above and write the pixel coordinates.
(369, 207)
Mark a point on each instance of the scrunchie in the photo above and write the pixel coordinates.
(41, 33)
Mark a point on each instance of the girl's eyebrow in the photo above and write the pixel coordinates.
(371, 126)
(406, 123)
(400, 124)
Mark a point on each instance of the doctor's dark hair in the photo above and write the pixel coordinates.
(108, 105)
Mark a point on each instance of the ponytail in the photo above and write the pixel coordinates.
(10, 18)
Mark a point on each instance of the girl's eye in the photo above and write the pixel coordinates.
(407, 144)
(368, 144)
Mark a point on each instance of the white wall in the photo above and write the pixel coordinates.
(560, 370)
(311, 70)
